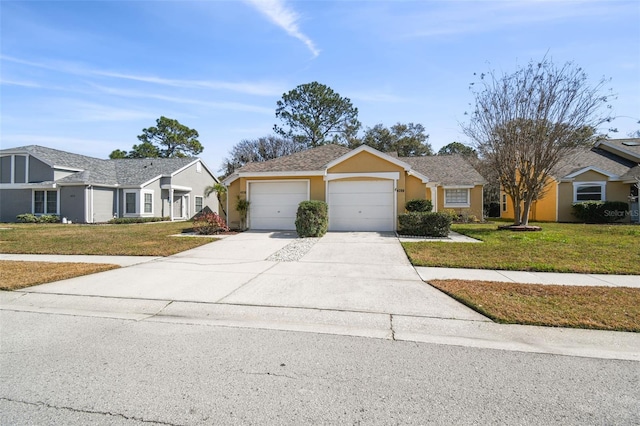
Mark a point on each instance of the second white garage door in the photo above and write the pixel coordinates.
(273, 205)
(361, 205)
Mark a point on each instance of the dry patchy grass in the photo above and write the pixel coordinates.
(147, 239)
(602, 308)
(17, 275)
(559, 247)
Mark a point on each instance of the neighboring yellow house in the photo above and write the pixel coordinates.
(364, 188)
(606, 172)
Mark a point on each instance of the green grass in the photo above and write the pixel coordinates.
(601, 308)
(152, 239)
(580, 248)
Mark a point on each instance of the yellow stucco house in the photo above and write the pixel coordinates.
(364, 188)
(605, 172)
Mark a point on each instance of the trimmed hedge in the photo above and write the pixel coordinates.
(31, 218)
(312, 218)
(600, 211)
(426, 224)
(126, 220)
(418, 205)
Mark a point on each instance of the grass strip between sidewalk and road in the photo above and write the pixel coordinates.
(601, 308)
(559, 247)
(143, 239)
(15, 275)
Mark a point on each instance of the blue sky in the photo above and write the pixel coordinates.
(88, 76)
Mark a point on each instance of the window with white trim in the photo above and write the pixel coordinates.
(588, 191)
(130, 203)
(456, 197)
(148, 202)
(504, 202)
(199, 203)
(45, 202)
(138, 202)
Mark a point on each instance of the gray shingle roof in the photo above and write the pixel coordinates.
(592, 157)
(96, 171)
(448, 170)
(630, 145)
(632, 174)
(139, 171)
(314, 159)
(445, 169)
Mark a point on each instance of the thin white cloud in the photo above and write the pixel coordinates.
(259, 89)
(21, 83)
(454, 18)
(234, 106)
(286, 18)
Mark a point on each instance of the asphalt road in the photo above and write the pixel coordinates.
(57, 369)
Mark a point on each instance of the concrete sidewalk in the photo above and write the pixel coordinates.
(60, 258)
(358, 284)
(524, 277)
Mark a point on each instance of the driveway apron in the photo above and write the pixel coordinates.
(359, 272)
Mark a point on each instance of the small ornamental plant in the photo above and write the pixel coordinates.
(209, 223)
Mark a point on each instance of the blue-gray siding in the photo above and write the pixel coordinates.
(14, 202)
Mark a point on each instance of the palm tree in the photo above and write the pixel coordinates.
(221, 194)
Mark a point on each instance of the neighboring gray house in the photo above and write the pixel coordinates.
(40, 180)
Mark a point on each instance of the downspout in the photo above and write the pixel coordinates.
(226, 201)
(396, 194)
(93, 219)
(481, 203)
(171, 203)
(86, 204)
(117, 202)
(435, 198)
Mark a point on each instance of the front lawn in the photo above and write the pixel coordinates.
(602, 308)
(146, 239)
(17, 275)
(559, 247)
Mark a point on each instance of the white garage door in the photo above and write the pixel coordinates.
(361, 205)
(273, 205)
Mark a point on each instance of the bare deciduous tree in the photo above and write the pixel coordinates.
(524, 123)
(256, 150)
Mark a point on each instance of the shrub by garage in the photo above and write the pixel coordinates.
(418, 205)
(312, 218)
(425, 224)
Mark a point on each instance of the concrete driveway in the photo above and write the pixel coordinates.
(356, 272)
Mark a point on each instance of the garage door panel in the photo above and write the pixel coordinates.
(361, 206)
(368, 225)
(358, 213)
(274, 204)
(364, 199)
(276, 199)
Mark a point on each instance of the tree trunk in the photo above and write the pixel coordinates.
(516, 210)
(221, 203)
(525, 213)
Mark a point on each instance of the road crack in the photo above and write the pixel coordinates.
(78, 410)
(393, 332)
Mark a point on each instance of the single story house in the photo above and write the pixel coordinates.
(40, 180)
(608, 171)
(365, 189)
